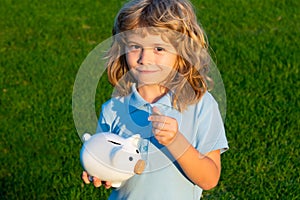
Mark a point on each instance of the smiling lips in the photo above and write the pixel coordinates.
(147, 70)
(151, 74)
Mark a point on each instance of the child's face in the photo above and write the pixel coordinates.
(149, 58)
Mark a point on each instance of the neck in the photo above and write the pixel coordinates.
(152, 93)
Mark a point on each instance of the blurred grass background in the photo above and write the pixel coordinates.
(43, 43)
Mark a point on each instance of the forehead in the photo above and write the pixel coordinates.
(154, 33)
(149, 38)
(146, 38)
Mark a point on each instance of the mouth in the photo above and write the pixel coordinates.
(147, 71)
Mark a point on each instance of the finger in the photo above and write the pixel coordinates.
(97, 182)
(158, 118)
(85, 177)
(160, 125)
(156, 111)
(155, 131)
(107, 184)
(163, 137)
(162, 133)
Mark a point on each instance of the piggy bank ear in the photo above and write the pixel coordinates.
(135, 139)
(86, 137)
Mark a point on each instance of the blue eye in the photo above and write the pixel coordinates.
(134, 47)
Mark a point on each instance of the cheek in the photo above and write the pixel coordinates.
(171, 62)
(131, 59)
(128, 60)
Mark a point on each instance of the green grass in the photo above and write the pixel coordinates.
(43, 43)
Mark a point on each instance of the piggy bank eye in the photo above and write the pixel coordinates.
(130, 158)
(137, 151)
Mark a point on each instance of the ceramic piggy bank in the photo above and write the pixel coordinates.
(111, 157)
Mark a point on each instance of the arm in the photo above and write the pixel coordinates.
(203, 170)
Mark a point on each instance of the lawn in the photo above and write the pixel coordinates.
(255, 44)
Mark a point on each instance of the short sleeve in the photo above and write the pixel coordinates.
(211, 132)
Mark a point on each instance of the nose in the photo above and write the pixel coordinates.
(146, 56)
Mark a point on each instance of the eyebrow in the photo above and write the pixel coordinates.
(165, 45)
(134, 42)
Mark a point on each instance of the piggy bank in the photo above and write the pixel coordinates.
(111, 157)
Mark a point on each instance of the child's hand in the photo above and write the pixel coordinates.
(97, 183)
(164, 128)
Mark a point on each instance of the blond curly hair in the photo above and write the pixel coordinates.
(175, 21)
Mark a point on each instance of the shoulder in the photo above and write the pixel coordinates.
(207, 102)
(208, 99)
(206, 108)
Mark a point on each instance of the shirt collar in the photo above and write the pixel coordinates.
(137, 102)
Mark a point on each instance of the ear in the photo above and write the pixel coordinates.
(135, 139)
(86, 137)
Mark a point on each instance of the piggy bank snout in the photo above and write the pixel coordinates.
(139, 166)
